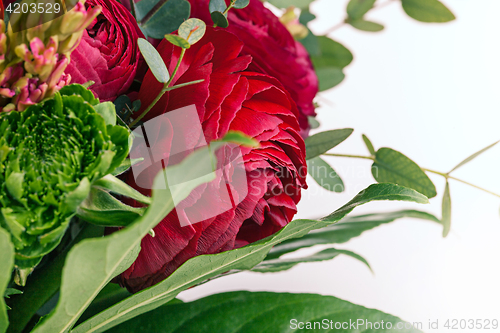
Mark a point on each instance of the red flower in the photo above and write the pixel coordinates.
(229, 98)
(108, 53)
(274, 51)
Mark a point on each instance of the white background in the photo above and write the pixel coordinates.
(430, 91)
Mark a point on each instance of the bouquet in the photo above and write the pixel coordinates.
(149, 147)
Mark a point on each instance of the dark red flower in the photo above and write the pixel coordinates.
(108, 53)
(229, 98)
(274, 51)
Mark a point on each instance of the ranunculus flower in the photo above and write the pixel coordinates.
(108, 53)
(229, 98)
(273, 50)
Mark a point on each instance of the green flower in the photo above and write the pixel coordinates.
(50, 155)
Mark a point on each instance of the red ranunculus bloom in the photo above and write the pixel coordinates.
(274, 51)
(229, 98)
(108, 53)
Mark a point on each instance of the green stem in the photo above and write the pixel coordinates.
(43, 284)
(445, 175)
(132, 8)
(163, 91)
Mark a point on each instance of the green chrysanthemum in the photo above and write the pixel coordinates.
(50, 155)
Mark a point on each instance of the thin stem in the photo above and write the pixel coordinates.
(162, 92)
(445, 175)
(352, 156)
(346, 20)
(436, 172)
(183, 52)
(153, 11)
(182, 85)
(475, 186)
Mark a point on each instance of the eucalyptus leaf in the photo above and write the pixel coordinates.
(313, 122)
(239, 4)
(427, 11)
(6, 266)
(262, 312)
(369, 145)
(310, 42)
(391, 166)
(219, 19)
(364, 25)
(333, 54)
(446, 210)
(320, 143)
(279, 265)
(201, 268)
(217, 6)
(473, 156)
(329, 77)
(178, 41)
(346, 229)
(192, 30)
(324, 175)
(92, 263)
(154, 60)
(356, 9)
(166, 20)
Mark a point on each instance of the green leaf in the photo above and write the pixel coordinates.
(313, 122)
(103, 209)
(166, 20)
(14, 184)
(329, 77)
(446, 210)
(329, 62)
(310, 42)
(6, 266)
(302, 4)
(200, 268)
(240, 4)
(178, 41)
(369, 145)
(154, 60)
(333, 54)
(347, 229)
(91, 264)
(11, 291)
(473, 156)
(324, 175)
(306, 16)
(115, 185)
(261, 312)
(107, 111)
(240, 138)
(391, 166)
(356, 9)
(217, 6)
(279, 265)
(427, 11)
(369, 26)
(79, 90)
(219, 19)
(125, 166)
(320, 143)
(192, 30)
